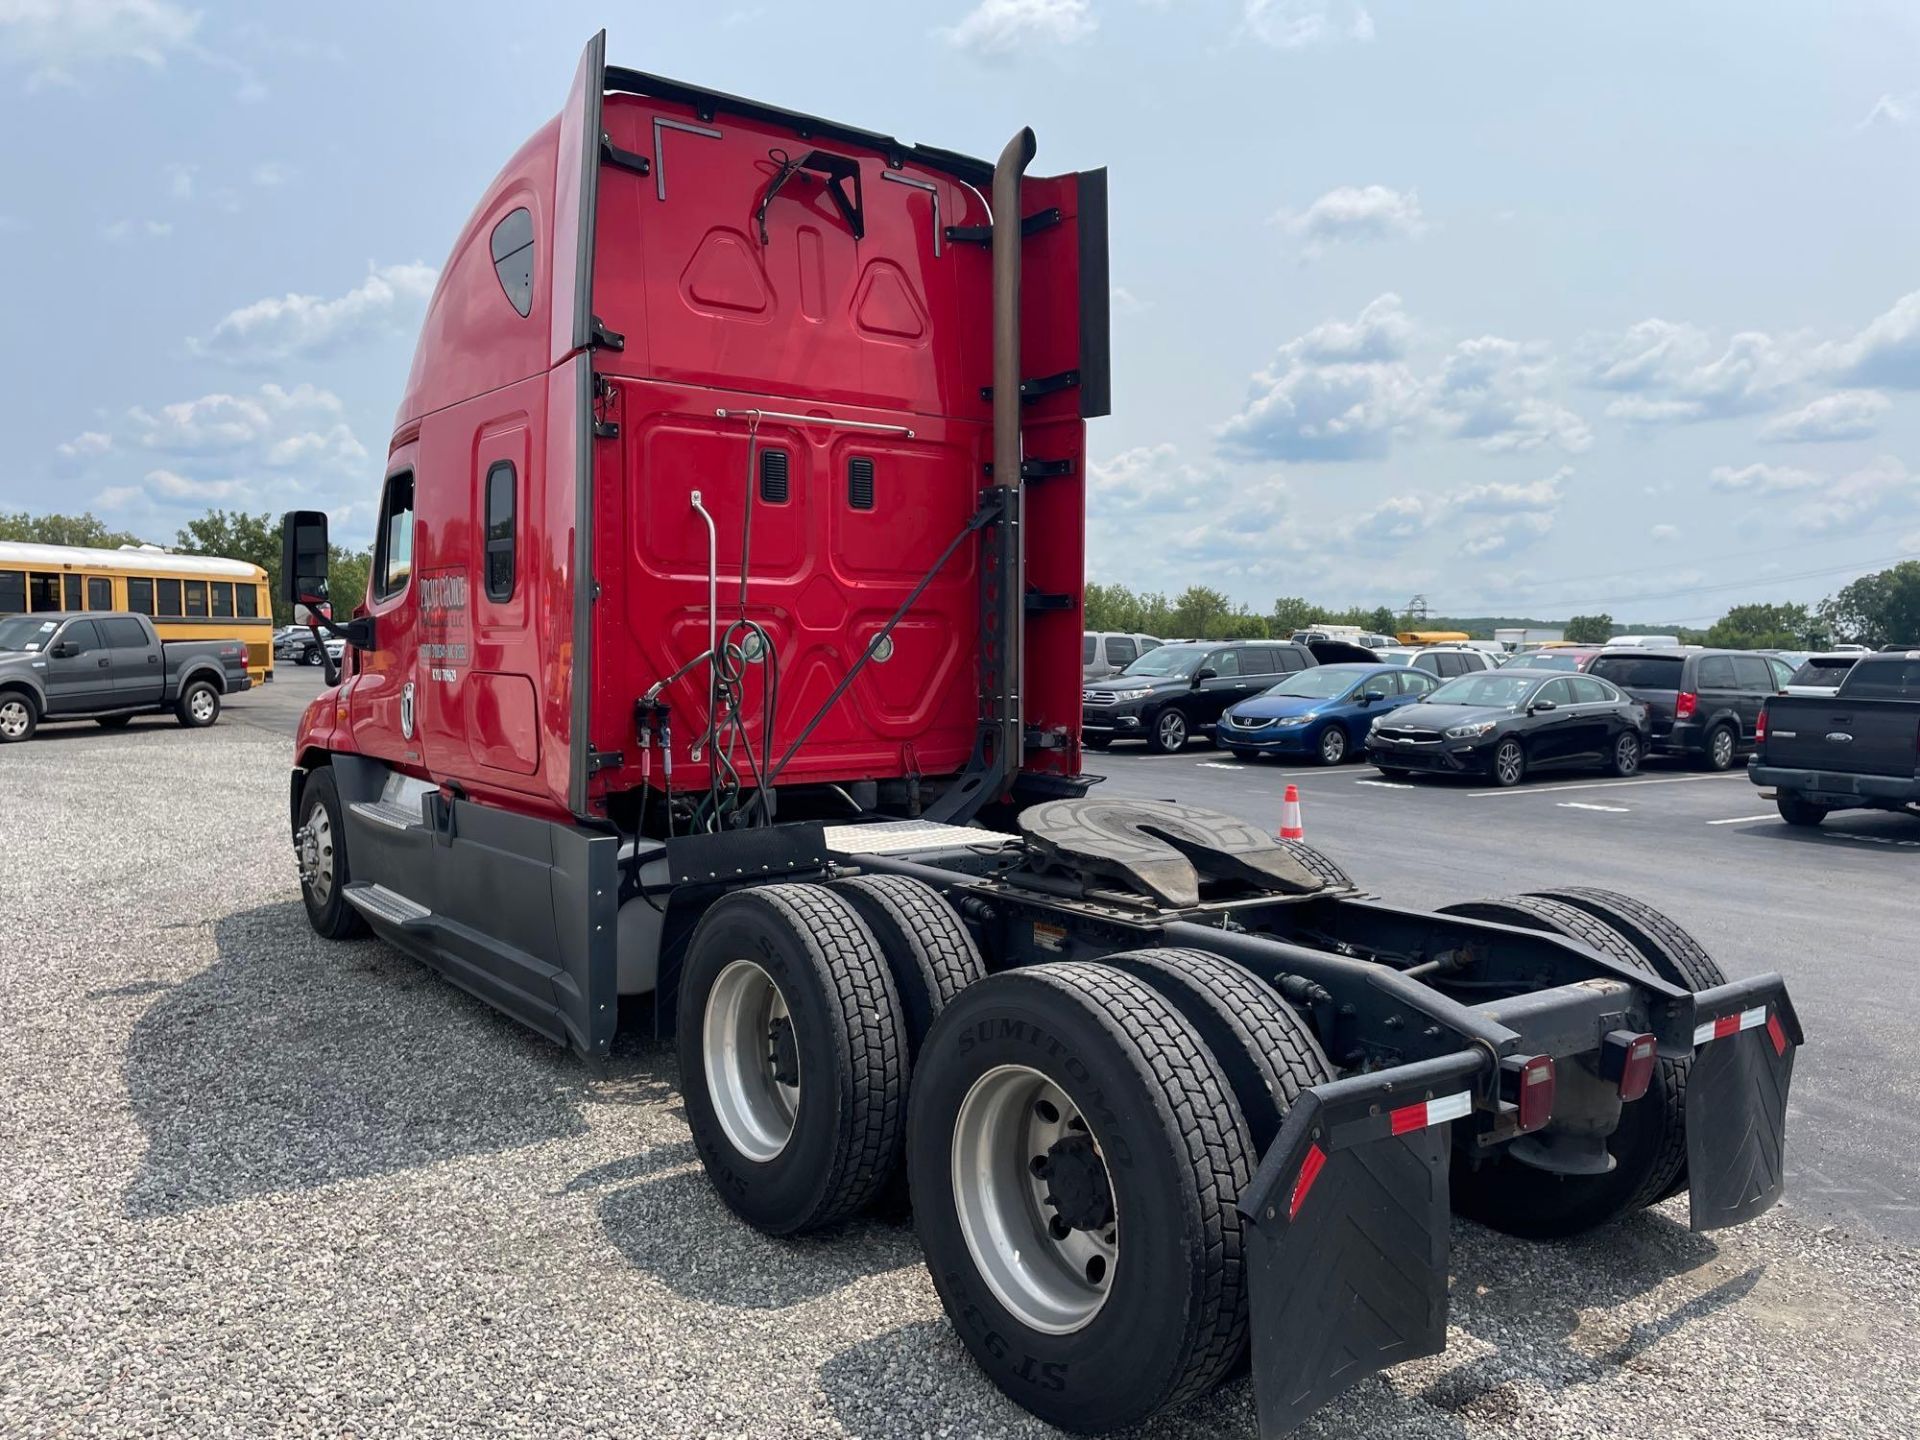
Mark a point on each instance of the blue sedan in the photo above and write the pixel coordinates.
(1321, 714)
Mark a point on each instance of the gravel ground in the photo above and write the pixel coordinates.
(256, 1184)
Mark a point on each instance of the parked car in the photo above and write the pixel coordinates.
(109, 666)
(1821, 674)
(1442, 661)
(296, 643)
(1561, 657)
(1321, 714)
(1108, 652)
(1858, 749)
(1175, 692)
(1509, 724)
(1703, 704)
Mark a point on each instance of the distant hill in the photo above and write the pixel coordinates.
(1481, 627)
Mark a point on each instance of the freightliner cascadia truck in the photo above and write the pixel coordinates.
(721, 647)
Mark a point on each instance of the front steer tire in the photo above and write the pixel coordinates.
(844, 1044)
(1171, 1145)
(322, 828)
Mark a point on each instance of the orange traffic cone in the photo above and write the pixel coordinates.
(1290, 827)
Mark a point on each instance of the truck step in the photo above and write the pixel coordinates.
(390, 813)
(377, 902)
(891, 837)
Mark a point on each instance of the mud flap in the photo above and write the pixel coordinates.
(1745, 1036)
(1348, 1235)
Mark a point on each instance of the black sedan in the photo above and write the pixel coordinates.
(1504, 723)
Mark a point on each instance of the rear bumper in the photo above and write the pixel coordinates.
(1839, 789)
(1683, 737)
(1348, 1220)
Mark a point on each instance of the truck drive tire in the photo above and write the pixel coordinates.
(198, 705)
(1054, 1107)
(931, 957)
(1318, 862)
(1803, 813)
(1649, 1148)
(1674, 955)
(19, 716)
(793, 1057)
(320, 847)
(1265, 1050)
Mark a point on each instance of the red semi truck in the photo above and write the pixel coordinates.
(720, 647)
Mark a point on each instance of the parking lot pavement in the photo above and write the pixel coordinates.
(259, 1184)
(1831, 909)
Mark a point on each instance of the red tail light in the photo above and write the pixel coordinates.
(1630, 1059)
(1760, 727)
(1529, 1085)
(1684, 704)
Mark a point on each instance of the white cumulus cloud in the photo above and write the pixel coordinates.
(1762, 479)
(1845, 415)
(301, 326)
(1669, 373)
(1883, 489)
(1497, 392)
(1297, 24)
(1354, 213)
(1886, 352)
(59, 40)
(997, 29)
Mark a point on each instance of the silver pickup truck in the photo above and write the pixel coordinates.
(109, 667)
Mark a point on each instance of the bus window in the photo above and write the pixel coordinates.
(247, 601)
(223, 599)
(74, 592)
(43, 591)
(196, 597)
(99, 593)
(13, 592)
(140, 595)
(169, 598)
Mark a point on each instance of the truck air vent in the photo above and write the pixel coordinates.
(860, 483)
(773, 476)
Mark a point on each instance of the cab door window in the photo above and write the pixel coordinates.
(393, 562)
(500, 531)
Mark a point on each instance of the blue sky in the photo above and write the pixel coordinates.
(1528, 307)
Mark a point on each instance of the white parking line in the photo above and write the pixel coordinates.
(1598, 785)
(1385, 784)
(1219, 765)
(1583, 805)
(1745, 819)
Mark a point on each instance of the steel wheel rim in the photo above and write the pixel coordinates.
(1011, 1120)
(316, 855)
(1333, 747)
(200, 704)
(13, 719)
(1722, 749)
(1173, 730)
(1627, 754)
(739, 1051)
(1506, 763)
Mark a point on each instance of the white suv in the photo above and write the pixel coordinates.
(1108, 652)
(1445, 661)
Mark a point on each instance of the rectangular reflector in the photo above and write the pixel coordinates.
(1310, 1169)
(1730, 1025)
(1432, 1112)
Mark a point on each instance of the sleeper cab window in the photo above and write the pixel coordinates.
(500, 531)
(393, 564)
(512, 247)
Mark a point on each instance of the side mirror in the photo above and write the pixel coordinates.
(64, 650)
(1205, 672)
(1365, 697)
(303, 560)
(1540, 707)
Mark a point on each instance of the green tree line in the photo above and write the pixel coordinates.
(231, 536)
(1878, 609)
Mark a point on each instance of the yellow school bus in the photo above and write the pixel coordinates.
(1433, 637)
(189, 597)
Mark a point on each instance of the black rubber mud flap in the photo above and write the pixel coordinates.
(1745, 1037)
(1348, 1237)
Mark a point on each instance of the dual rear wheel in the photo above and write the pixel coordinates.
(1075, 1142)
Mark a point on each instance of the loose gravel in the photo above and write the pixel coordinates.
(256, 1184)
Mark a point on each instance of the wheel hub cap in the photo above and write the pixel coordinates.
(13, 718)
(1033, 1200)
(752, 1061)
